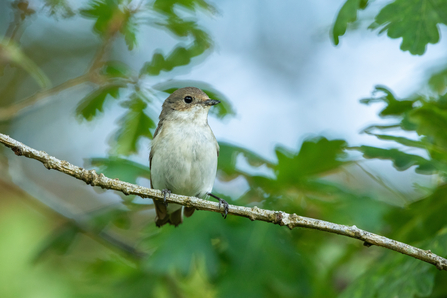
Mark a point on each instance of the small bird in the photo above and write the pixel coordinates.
(184, 152)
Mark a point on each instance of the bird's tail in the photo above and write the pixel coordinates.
(163, 217)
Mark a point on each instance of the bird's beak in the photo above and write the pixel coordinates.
(211, 102)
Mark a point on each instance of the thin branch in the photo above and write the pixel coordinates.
(20, 12)
(102, 51)
(379, 181)
(13, 110)
(255, 213)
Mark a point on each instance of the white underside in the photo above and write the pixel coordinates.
(184, 158)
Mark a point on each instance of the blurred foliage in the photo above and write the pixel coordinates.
(418, 280)
(59, 8)
(415, 21)
(423, 222)
(346, 15)
(94, 102)
(12, 54)
(206, 256)
(134, 125)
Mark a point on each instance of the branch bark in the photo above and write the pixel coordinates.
(276, 217)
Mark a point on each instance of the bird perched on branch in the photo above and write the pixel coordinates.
(184, 152)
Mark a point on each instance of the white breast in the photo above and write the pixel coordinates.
(184, 158)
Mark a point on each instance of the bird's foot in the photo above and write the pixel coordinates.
(166, 192)
(221, 202)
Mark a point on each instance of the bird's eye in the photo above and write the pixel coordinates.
(188, 99)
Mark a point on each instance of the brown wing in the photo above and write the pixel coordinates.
(160, 209)
(151, 154)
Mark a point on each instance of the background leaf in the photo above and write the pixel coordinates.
(94, 102)
(135, 124)
(394, 107)
(10, 52)
(346, 15)
(416, 21)
(402, 161)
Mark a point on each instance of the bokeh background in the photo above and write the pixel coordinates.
(330, 109)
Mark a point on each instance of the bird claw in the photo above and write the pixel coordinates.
(221, 202)
(164, 192)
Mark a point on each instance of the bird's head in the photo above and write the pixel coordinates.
(187, 104)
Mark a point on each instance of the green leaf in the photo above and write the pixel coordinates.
(300, 174)
(438, 81)
(315, 157)
(103, 11)
(178, 26)
(60, 240)
(380, 127)
(134, 125)
(407, 124)
(113, 16)
(394, 276)
(116, 69)
(394, 107)
(181, 55)
(231, 257)
(129, 30)
(122, 220)
(346, 15)
(167, 6)
(93, 103)
(99, 221)
(421, 220)
(431, 121)
(169, 254)
(398, 275)
(416, 21)
(123, 169)
(221, 110)
(401, 140)
(364, 212)
(228, 154)
(154, 67)
(401, 161)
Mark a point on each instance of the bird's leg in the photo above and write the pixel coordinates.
(164, 192)
(221, 202)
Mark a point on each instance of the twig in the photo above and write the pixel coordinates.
(11, 111)
(383, 184)
(20, 12)
(101, 52)
(255, 213)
